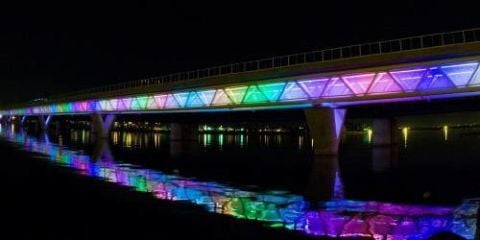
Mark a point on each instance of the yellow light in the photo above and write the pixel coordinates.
(369, 135)
(116, 137)
(405, 135)
(127, 142)
(445, 133)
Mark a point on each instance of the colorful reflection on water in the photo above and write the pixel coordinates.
(336, 218)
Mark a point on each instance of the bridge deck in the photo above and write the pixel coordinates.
(340, 66)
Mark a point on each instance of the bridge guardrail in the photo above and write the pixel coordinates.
(357, 50)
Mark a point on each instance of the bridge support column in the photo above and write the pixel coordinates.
(44, 122)
(384, 144)
(325, 125)
(183, 138)
(101, 124)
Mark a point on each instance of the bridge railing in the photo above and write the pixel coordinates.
(358, 50)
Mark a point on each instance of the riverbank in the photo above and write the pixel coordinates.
(42, 201)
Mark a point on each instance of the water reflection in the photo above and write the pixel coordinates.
(159, 139)
(102, 151)
(405, 136)
(180, 149)
(301, 139)
(220, 140)
(139, 139)
(240, 140)
(207, 139)
(324, 181)
(115, 137)
(334, 217)
(369, 135)
(217, 141)
(381, 158)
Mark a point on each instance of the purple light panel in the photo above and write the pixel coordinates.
(125, 104)
(293, 91)
(460, 74)
(337, 88)
(409, 79)
(384, 83)
(171, 102)
(359, 83)
(314, 88)
(160, 101)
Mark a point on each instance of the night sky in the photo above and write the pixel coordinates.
(52, 49)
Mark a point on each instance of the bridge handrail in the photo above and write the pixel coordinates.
(350, 51)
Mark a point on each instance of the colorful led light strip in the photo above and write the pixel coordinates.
(389, 83)
(336, 218)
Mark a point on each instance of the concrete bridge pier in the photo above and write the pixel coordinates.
(102, 124)
(44, 121)
(326, 126)
(384, 144)
(183, 138)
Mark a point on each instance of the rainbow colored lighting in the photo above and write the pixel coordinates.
(392, 84)
(336, 218)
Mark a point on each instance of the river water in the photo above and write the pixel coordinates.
(425, 184)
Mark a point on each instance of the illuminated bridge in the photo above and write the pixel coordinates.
(324, 83)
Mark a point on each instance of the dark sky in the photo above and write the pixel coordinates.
(53, 49)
